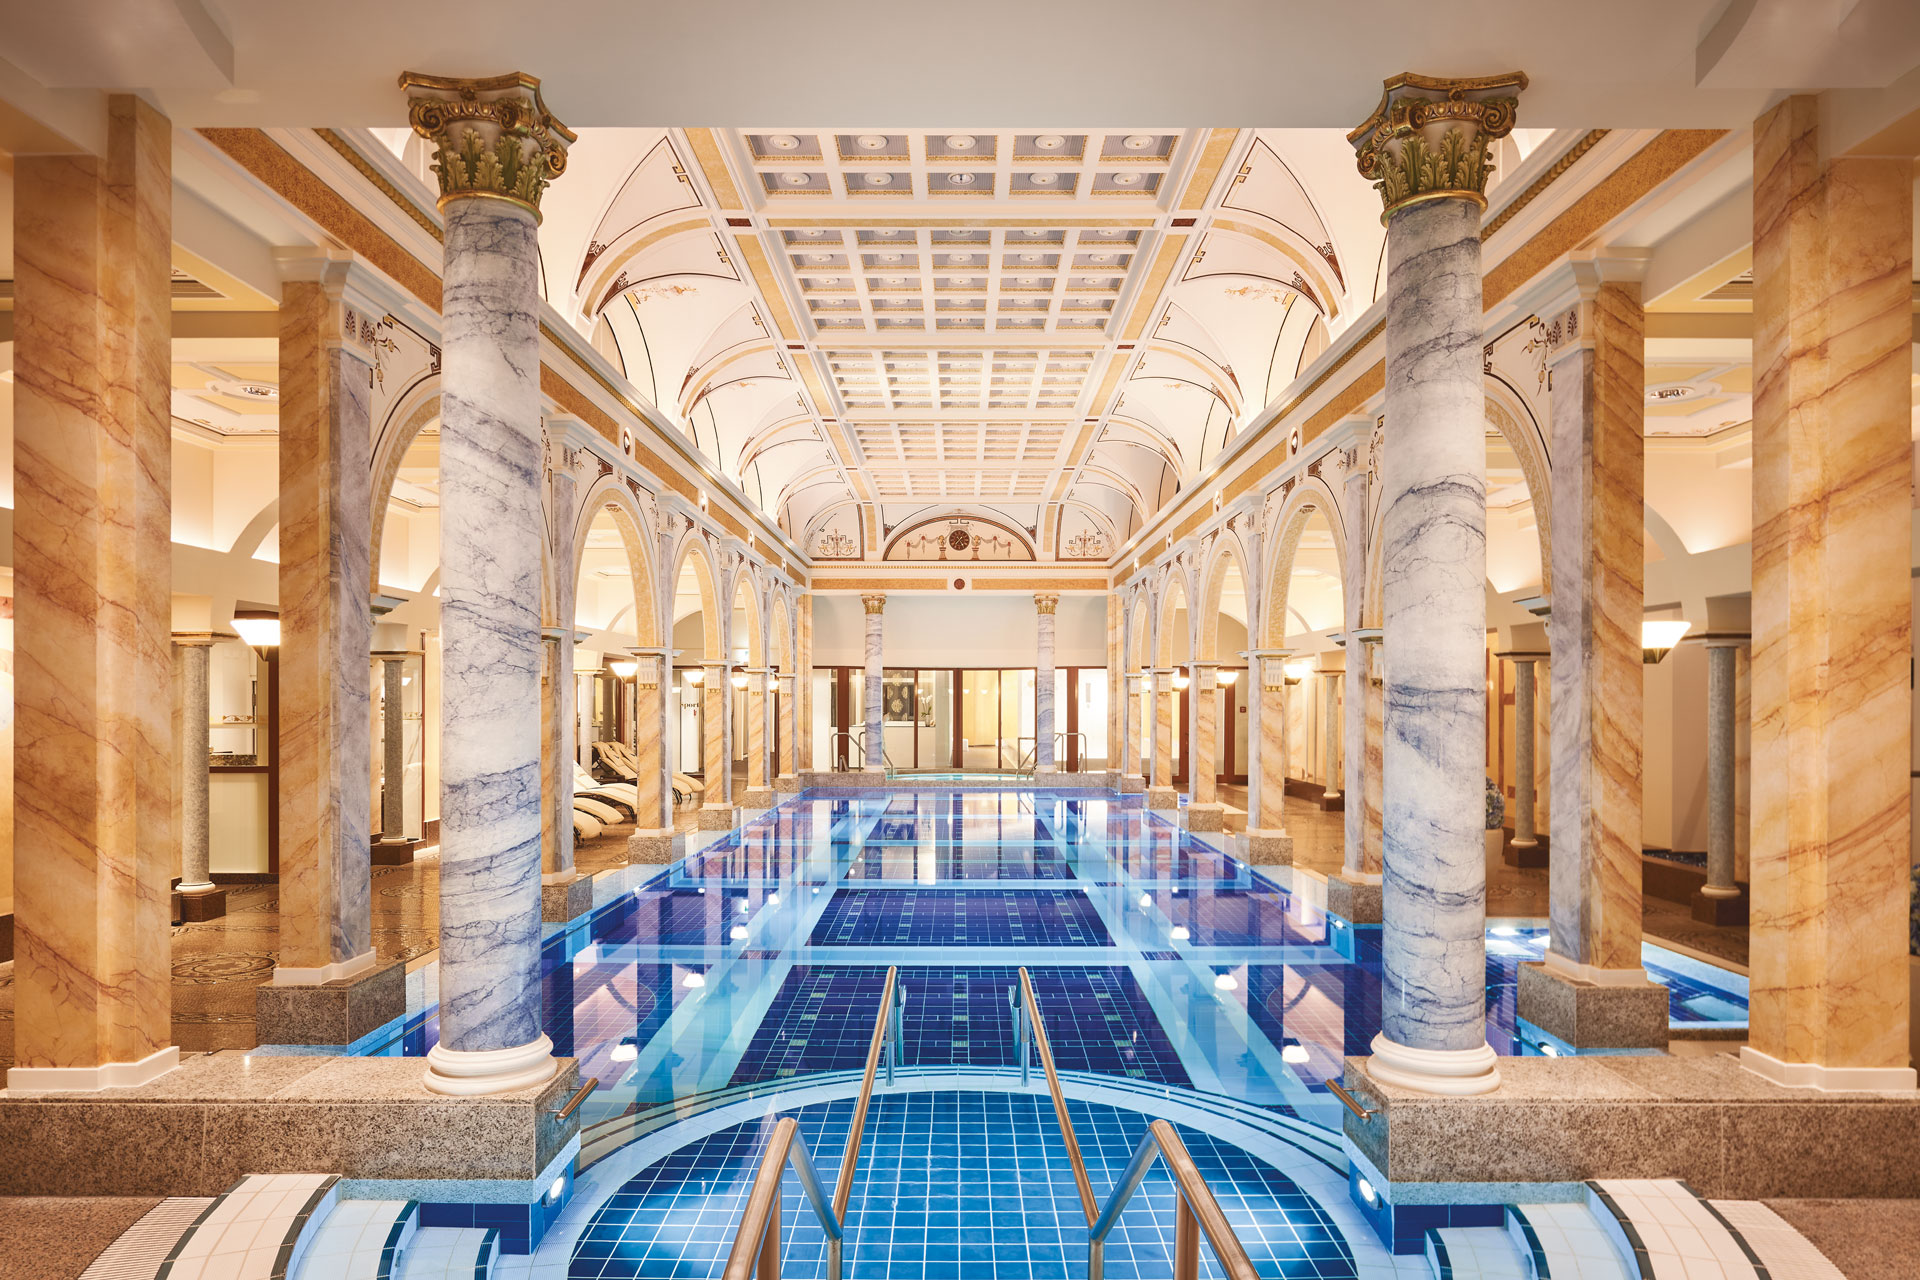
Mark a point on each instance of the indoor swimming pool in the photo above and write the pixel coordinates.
(1173, 979)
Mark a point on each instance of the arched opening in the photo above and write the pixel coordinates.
(1224, 639)
(1173, 712)
(616, 771)
(695, 655)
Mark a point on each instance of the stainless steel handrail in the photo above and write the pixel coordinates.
(1339, 1091)
(1196, 1212)
(756, 1243)
(857, 737)
(1195, 1206)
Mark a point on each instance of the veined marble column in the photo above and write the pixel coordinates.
(1353, 893)
(1267, 838)
(1832, 601)
(1204, 811)
(1591, 992)
(393, 770)
(759, 794)
(496, 146)
(564, 893)
(1721, 893)
(787, 715)
(200, 898)
(1160, 794)
(716, 802)
(1372, 795)
(1426, 147)
(1116, 691)
(872, 710)
(92, 584)
(652, 841)
(1043, 682)
(803, 683)
(1330, 765)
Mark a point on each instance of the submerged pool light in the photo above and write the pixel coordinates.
(1294, 1053)
(1225, 982)
(695, 980)
(1367, 1192)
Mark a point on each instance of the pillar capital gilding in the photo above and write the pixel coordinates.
(875, 603)
(493, 138)
(1045, 602)
(1429, 137)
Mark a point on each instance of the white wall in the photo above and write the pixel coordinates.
(960, 629)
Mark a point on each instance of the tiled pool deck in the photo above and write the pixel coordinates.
(1157, 959)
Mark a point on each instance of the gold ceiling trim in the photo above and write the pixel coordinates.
(379, 180)
(931, 221)
(706, 153)
(754, 255)
(1541, 183)
(1153, 286)
(1207, 172)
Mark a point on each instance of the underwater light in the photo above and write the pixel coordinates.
(695, 980)
(1295, 1053)
(558, 1189)
(1226, 982)
(739, 932)
(624, 1052)
(1180, 933)
(1367, 1192)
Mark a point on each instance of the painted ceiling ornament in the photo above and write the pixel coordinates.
(1430, 138)
(492, 137)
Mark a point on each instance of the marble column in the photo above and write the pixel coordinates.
(1526, 850)
(1160, 793)
(652, 841)
(874, 693)
(1353, 893)
(787, 715)
(393, 741)
(716, 802)
(1134, 761)
(92, 582)
(803, 684)
(496, 145)
(1330, 737)
(1116, 690)
(564, 892)
(1832, 601)
(1433, 579)
(200, 898)
(1204, 811)
(1267, 838)
(1043, 682)
(759, 793)
(1719, 899)
(1592, 992)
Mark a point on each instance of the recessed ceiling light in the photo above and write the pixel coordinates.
(1049, 142)
(816, 233)
(889, 257)
(1035, 231)
(784, 141)
(960, 179)
(897, 280)
(1029, 257)
(1126, 179)
(960, 142)
(798, 179)
(873, 141)
(823, 257)
(963, 257)
(1028, 280)
(879, 179)
(1139, 141)
(1043, 179)
(1109, 232)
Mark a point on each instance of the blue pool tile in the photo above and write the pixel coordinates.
(960, 918)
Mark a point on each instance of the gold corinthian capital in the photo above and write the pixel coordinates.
(492, 138)
(876, 603)
(1430, 139)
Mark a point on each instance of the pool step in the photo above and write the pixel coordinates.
(1473, 1253)
(450, 1253)
(1563, 1242)
(142, 1247)
(1664, 1231)
(361, 1240)
(258, 1229)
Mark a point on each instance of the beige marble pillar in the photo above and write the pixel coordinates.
(1592, 992)
(1330, 737)
(1204, 811)
(716, 802)
(1134, 757)
(803, 683)
(564, 893)
(872, 705)
(652, 841)
(92, 610)
(787, 715)
(759, 793)
(1832, 600)
(1160, 794)
(1267, 838)
(1116, 688)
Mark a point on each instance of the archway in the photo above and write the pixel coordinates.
(697, 700)
(1219, 687)
(747, 719)
(1173, 659)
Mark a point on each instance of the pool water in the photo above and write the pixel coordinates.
(1155, 956)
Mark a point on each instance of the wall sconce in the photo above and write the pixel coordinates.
(1226, 676)
(695, 676)
(1298, 671)
(739, 678)
(773, 682)
(260, 628)
(622, 668)
(1659, 635)
(1181, 680)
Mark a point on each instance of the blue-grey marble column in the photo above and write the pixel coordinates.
(874, 712)
(491, 533)
(1043, 682)
(1433, 579)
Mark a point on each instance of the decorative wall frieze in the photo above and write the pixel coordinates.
(492, 138)
(1431, 138)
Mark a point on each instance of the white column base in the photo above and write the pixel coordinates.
(1719, 891)
(313, 977)
(1811, 1075)
(108, 1075)
(1593, 974)
(205, 886)
(468, 1074)
(1454, 1073)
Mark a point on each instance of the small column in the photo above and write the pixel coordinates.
(1161, 795)
(803, 684)
(1043, 682)
(92, 576)
(1330, 766)
(652, 841)
(1135, 760)
(200, 898)
(1832, 609)
(496, 147)
(1591, 992)
(1721, 900)
(564, 892)
(1525, 851)
(393, 769)
(1353, 893)
(874, 693)
(1267, 839)
(759, 794)
(1426, 149)
(716, 802)
(1116, 691)
(787, 781)
(1204, 811)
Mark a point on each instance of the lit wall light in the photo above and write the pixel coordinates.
(1659, 635)
(260, 628)
(739, 679)
(622, 668)
(1298, 671)
(695, 675)
(1227, 677)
